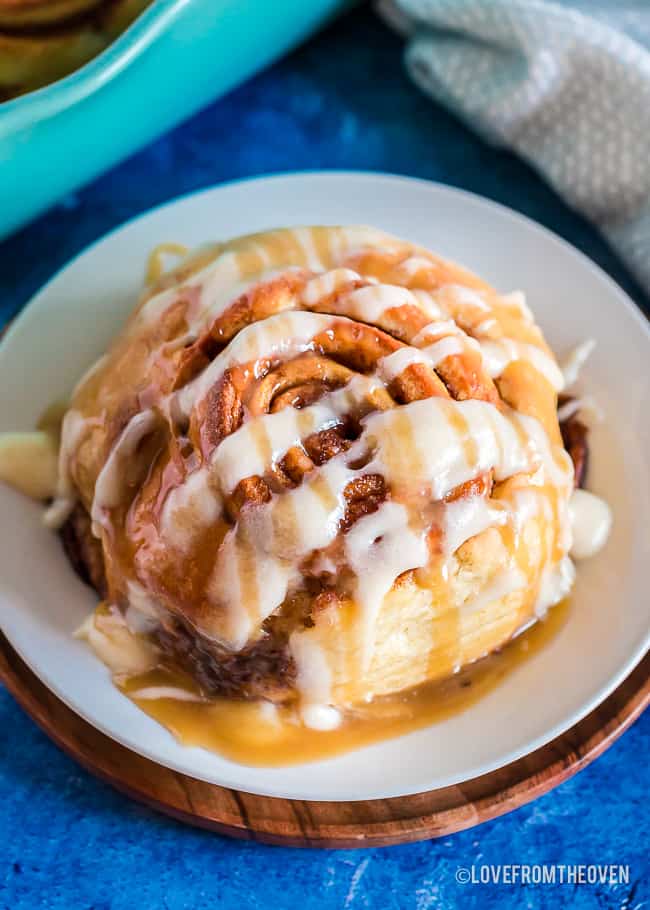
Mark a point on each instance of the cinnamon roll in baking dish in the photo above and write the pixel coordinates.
(321, 465)
(43, 40)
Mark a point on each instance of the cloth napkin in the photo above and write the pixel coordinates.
(564, 84)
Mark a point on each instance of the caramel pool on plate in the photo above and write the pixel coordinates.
(258, 733)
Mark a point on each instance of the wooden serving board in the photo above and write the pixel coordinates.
(300, 823)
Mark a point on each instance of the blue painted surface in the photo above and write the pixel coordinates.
(68, 841)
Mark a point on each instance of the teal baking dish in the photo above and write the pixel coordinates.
(175, 58)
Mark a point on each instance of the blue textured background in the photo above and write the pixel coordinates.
(68, 841)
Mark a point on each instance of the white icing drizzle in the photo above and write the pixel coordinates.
(464, 518)
(266, 545)
(436, 330)
(352, 239)
(438, 458)
(518, 300)
(320, 716)
(139, 623)
(556, 582)
(246, 586)
(497, 354)
(485, 326)
(72, 429)
(591, 522)
(220, 285)
(506, 582)
(370, 303)
(378, 548)
(316, 289)
(314, 682)
(428, 303)
(440, 350)
(414, 264)
(190, 506)
(109, 488)
(450, 342)
(527, 504)
(216, 284)
(460, 296)
(143, 602)
(557, 463)
(303, 236)
(586, 406)
(241, 455)
(393, 364)
(556, 576)
(576, 360)
(307, 517)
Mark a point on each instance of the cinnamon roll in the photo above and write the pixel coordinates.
(322, 465)
(43, 40)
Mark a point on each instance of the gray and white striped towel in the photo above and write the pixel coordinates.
(565, 85)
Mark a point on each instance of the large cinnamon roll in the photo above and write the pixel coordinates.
(321, 465)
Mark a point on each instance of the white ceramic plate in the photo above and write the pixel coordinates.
(68, 324)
